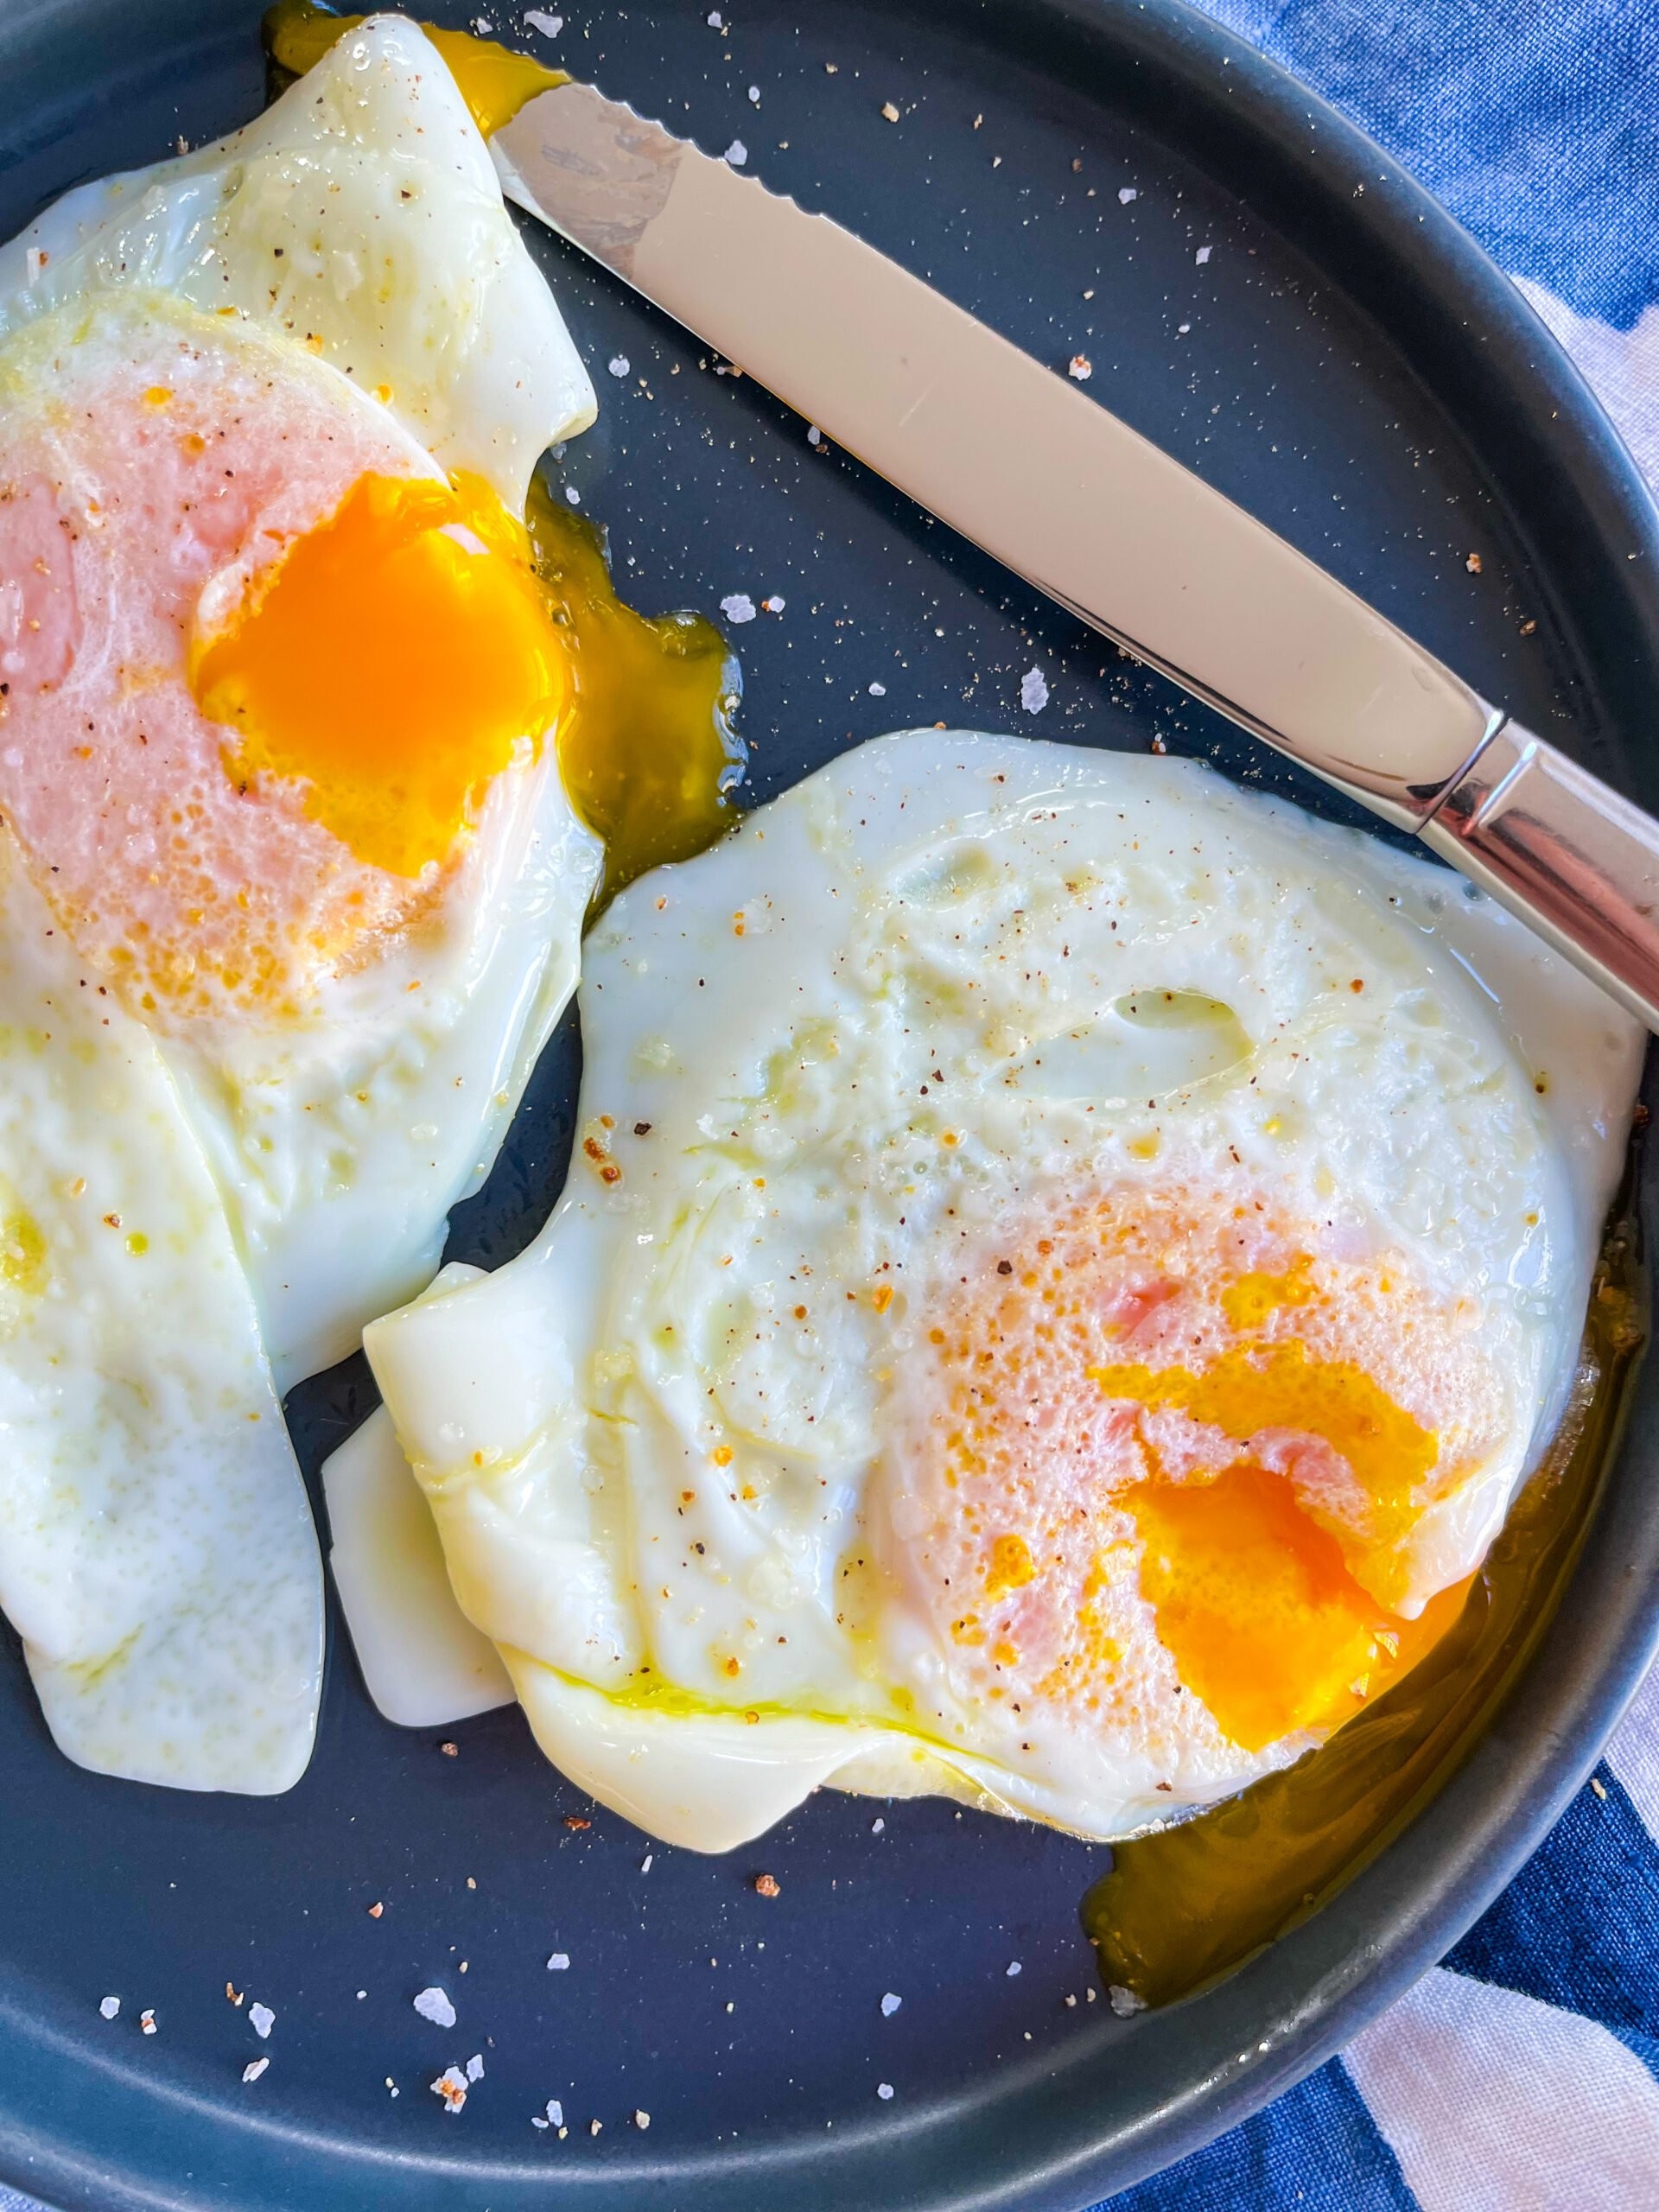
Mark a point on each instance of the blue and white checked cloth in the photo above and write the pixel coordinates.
(1522, 2074)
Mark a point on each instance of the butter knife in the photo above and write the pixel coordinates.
(1053, 485)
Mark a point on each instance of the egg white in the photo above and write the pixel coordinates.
(949, 928)
(300, 1169)
(156, 1553)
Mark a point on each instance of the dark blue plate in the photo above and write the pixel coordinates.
(1350, 367)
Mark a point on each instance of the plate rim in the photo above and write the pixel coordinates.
(1029, 2145)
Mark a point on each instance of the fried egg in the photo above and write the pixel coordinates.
(278, 675)
(279, 697)
(1065, 1265)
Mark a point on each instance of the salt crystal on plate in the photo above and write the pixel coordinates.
(884, 2090)
(549, 26)
(1124, 2001)
(147, 2022)
(1034, 691)
(559, 1961)
(475, 2067)
(619, 364)
(890, 2005)
(642, 2119)
(573, 495)
(754, 95)
(434, 2004)
(716, 21)
(876, 1827)
(110, 2007)
(261, 2019)
(1202, 256)
(736, 154)
(254, 2069)
(1128, 194)
(814, 435)
(1080, 367)
(774, 605)
(451, 2086)
(738, 607)
(554, 2112)
(1014, 1966)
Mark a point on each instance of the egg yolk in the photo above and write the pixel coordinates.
(1255, 1606)
(389, 662)
(494, 81)
(1169, 1403)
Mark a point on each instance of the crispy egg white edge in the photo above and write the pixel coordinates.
(653, 1768)
(156, 1550)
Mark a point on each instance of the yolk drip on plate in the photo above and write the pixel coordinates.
(391, 660)
(647, 749)
(494, 81)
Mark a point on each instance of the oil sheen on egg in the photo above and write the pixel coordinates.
(279, 699)
(280, 675)
(1065, 1266)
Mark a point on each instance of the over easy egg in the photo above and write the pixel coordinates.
(279, 696)
(1065, 1266)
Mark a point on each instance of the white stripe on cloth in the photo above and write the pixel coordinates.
(1633, 1754)
(1621, 367)
(1493, 2102)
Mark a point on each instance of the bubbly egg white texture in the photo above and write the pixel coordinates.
(348, 257)
(294, 1060)
(836, 1428)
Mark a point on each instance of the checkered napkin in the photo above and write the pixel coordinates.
(1522, 2074)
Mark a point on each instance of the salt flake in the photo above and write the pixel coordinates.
(619, 364)
(549, 26)
(1033, 698)
(884, 2090)
(554, 2112)
(110, 2007)
(1124, 2001)
(878, 692)
(1014, 1968)
(254, 2069)
(559, 1963)
(1202, 256)
(475, 2067)
(738, 607)
(890, 2005)
(434, 2004)
(736, 154)
(1126, 194)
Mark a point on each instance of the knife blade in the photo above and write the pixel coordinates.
(1025, 464)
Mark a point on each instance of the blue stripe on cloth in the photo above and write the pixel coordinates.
(1316, 2150)
(1535, 121)
(1579, 1926)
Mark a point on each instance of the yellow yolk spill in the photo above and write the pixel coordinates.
(1183, 1906)
(391, 661)
(494, 81)
(1254, 1599)
(1262, 1617)
(646, 750)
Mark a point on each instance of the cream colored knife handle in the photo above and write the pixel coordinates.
(1565, 853)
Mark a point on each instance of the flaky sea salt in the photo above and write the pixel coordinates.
(110, 2007)
(619, 364)
(890, 2005)
(738, 606)
(884, 2090)
(559, 1963)
(254, 2069)
(434, 2004)
(549, 26)
(736, 154)
(1034, 691)
(261, 2019)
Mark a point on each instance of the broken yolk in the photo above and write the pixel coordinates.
(1256, 1606)
(390, 663)
(1251, 1387)
(494, 81)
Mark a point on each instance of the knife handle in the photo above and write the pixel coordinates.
(1566, 854)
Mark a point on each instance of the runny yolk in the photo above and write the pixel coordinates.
(1255, 1387)
(1263, 1620)
(494, 81)
(390, 661)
